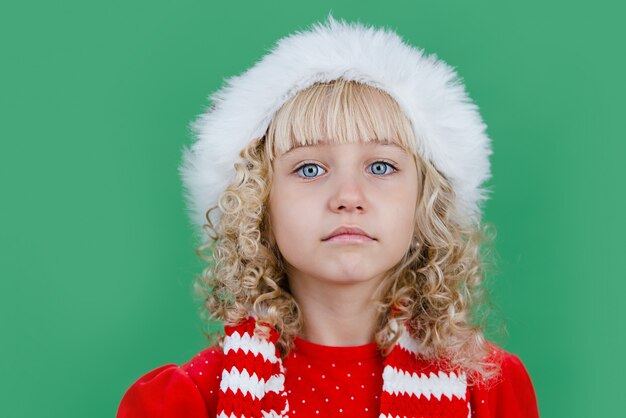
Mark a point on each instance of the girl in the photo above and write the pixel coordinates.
(337, 184)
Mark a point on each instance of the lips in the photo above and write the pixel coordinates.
(348, 231)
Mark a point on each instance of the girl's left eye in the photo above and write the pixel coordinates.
(380, 168)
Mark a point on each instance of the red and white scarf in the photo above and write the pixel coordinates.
(253, 380)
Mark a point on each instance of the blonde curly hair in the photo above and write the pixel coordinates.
(436, 289)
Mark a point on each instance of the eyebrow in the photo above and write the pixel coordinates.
(387, 144)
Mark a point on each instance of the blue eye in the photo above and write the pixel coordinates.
(380, 167)
(309, 170)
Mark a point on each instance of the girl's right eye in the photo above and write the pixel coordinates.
(309, 170)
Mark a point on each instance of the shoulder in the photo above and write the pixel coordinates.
(171, 390)
(510, 394)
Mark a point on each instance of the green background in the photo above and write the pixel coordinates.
(97, 255)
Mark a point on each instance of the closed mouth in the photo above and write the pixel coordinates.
(349, 233)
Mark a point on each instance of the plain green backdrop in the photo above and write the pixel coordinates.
(96, 252)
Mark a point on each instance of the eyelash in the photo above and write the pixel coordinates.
(305, 164)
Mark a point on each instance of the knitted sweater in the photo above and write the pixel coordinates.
(248, 379)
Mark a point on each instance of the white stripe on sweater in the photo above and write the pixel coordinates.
(264, 414)
(248, 343)
(250, 384)
(405, 341)
(401, 382)
(271, 414)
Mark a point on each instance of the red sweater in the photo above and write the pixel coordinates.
(321, 381)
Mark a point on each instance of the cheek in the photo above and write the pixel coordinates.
(291, 219)
(403, 217)
(402, 221)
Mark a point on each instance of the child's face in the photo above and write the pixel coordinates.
(317, 189)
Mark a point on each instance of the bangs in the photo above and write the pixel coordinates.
(340, 111)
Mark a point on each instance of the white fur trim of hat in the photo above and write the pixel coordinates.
(449, 130)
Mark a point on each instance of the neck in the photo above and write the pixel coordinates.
(336, 314)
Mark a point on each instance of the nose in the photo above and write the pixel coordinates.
(348, 194)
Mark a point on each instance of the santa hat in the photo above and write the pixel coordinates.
(449, 130)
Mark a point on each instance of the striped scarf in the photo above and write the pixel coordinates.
(253, 380)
